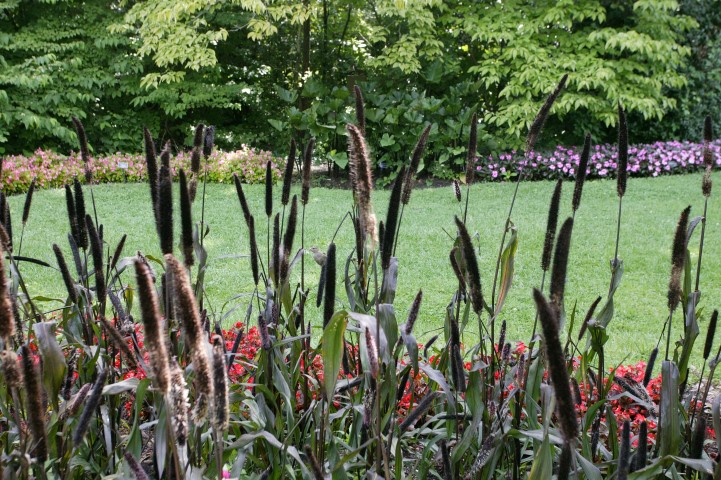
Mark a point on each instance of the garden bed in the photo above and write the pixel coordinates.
(53, 170)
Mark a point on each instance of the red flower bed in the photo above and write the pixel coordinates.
(243, 356)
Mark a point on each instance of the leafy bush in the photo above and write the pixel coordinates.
(52, 170)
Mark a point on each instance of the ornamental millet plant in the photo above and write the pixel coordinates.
(316, 391)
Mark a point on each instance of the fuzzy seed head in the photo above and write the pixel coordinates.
(96, 247)
(28, 202)
(274, 266)
(521, 371)
(187, 312)
(76, 401)
(457, 268)
(265, 341)
(197, 148)
(135, 467)
(389, 235)
(484, 454)
(564, 462)
(7, 319)
(242, 199)
(706, 183)
(5, 241)
(413, 313)
(268, 189)
(165, 210)
(80, 214)
(708, 156)
(502, 335)
(372, 350)
(289, 236)
(165, 155)
(560, 264)
(34, 408)
(419, 411)
(535, 131)
(472, 149)
(118, 341)
(678, 258)
(330, 267)
(307, 164)
(551, 225)
(457, 190)
(253, 249)
(84, 150)
(186, 221)
(72, 217)
(209, 141)
(155, 341)
(581, 172)
(474, 275)
(11, 369)
(622, 152)
(710, 334)
(288, 175)
(362, 180)
(649, 367)
(118, 252)
(220, 377)
(548, 316)
(459, 375)
(413, 166)
(90, 406)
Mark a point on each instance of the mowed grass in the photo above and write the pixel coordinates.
(651, 209)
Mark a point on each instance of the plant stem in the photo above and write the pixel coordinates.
(379, 446)
(668, 333)
(202, 205)
(698, 390)
(304, 351)
(700, 248)
(532, 343)
(398, 229)
(618, 236)
(22, 234)
(468, 194)
(219, 454)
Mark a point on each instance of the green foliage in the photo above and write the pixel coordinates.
(248, 65)
(618, 52)
(701, 95)
(58, 61)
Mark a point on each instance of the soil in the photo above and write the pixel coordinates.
(340, 180)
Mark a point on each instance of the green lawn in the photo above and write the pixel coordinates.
(651, 209)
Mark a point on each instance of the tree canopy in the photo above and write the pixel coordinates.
(264, 71)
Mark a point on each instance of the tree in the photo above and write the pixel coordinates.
(613, 52)
(59, 60)
(247, 65)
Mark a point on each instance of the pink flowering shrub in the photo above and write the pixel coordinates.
(54, 170)
(650, 160)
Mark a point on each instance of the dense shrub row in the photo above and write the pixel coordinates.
(645, 160)
(53, 170)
